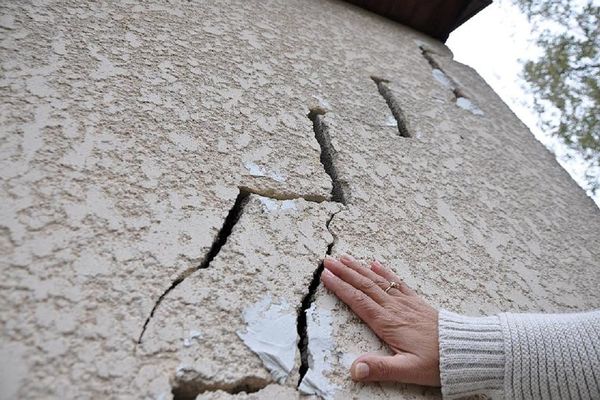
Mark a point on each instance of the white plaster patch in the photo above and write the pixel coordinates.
(257, 170)
(442, 78)
(189, 339)
(468, 105)
(277, 205)
(347, 359)
(320, 345)
(391, 121)
(271, 334)
(254, 169)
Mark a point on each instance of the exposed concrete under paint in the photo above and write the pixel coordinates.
(128, 131)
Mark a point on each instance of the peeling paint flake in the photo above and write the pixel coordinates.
(468, 105)
(271, 334)
(391, 121)
(442, 78)
(320, 345)
(257, 170)
(277, 205)
(193, 334)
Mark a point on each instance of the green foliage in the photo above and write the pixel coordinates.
(565, 80)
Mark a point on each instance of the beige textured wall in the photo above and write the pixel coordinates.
(129, 129)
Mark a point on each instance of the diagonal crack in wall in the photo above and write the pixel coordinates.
(230, 220)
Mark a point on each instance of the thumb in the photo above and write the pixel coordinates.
(370, 367)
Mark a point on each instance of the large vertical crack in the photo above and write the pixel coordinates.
(307, 301)
(393, 104)
(339, 188)
(232, 218)
(339, 194)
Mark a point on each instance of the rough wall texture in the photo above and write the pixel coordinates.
(165, 196)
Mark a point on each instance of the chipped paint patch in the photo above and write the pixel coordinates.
(189, 339)
(271, 334)
(391, 121)
(320, 345)
(468, 105)
(347, 359)
(442, 78)
(257, 170)
(277, 205)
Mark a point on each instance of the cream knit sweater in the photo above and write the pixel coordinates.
(520, 356)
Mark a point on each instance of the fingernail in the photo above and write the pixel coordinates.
(348, 258)
(326, 274)
(361, 370)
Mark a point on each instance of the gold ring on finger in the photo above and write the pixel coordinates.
(394, 285)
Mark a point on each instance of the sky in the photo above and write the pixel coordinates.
(495, 42)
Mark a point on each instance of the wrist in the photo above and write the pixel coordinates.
(472, 355)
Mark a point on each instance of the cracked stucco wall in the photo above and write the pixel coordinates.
(129, 129)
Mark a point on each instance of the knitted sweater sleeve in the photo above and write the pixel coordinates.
(520, 356)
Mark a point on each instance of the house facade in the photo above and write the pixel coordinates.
(172, 175)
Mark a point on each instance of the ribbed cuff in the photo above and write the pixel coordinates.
(471, 356)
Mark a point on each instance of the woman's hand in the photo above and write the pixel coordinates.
(399, 317)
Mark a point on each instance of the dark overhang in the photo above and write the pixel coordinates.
(436, 18)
